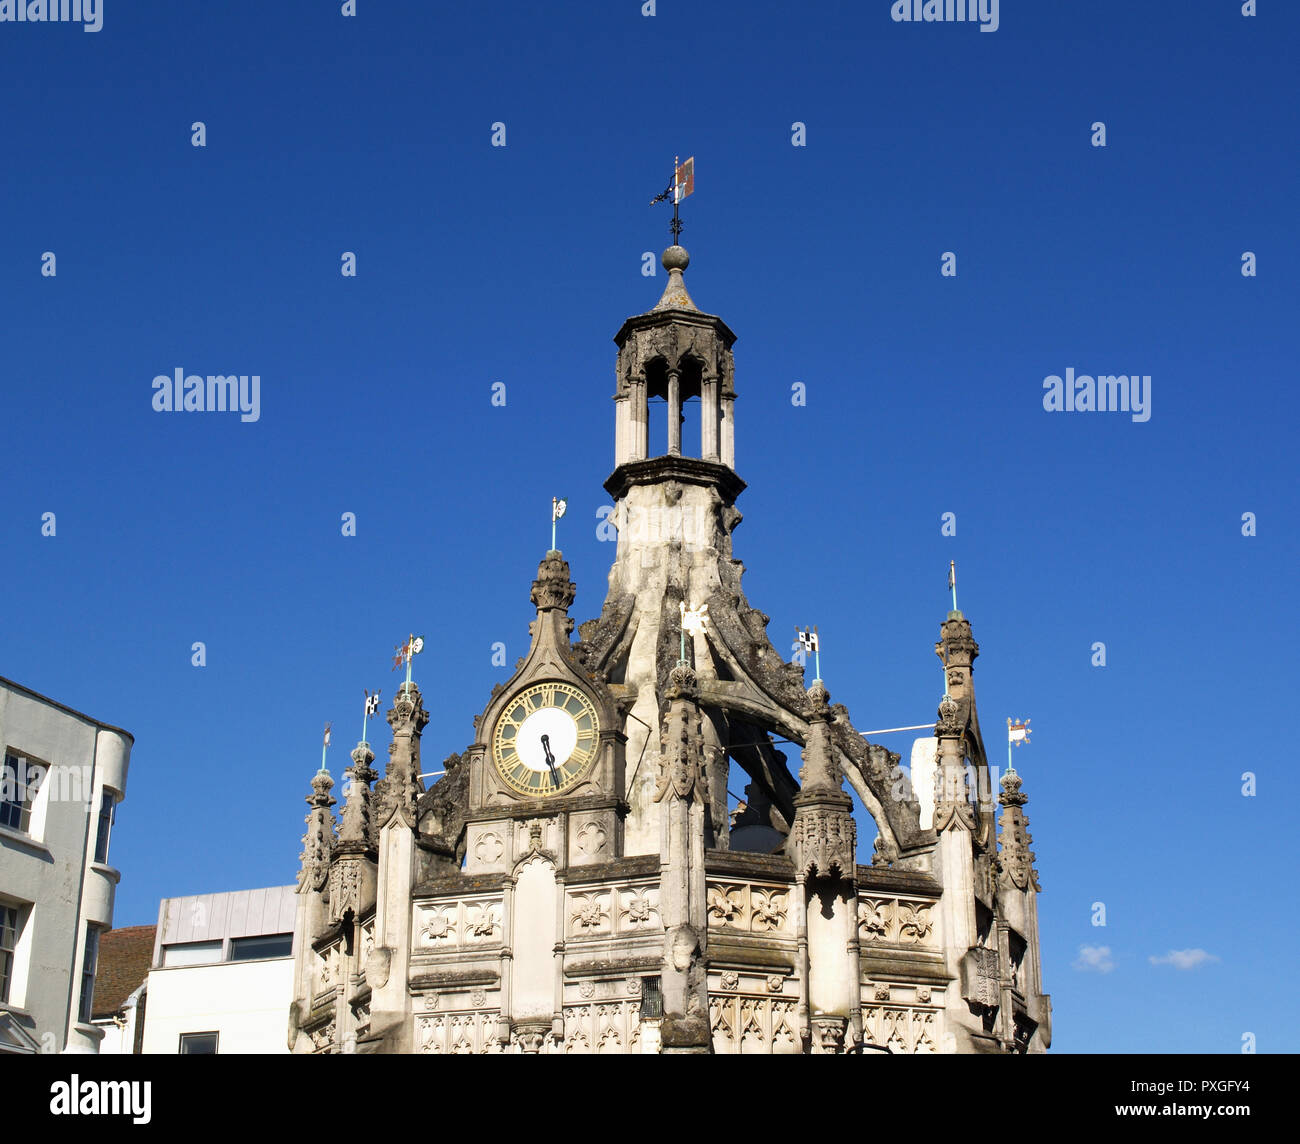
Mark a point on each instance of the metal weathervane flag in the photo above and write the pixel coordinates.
(1017, 733)
(684, 179)
(372, 702)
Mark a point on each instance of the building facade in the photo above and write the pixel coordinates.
(222, 974)
(574, 883)
(63, 776)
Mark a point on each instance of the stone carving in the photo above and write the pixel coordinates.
(482, 925)
(634, 986)
(747, 907)
(724, 904)
(751, 1024)
(589, 913)
(478, 998)
(587, 988)
(608, 1027)
(828, 1034)
(901, 1030)
(323, 1036)
(923, 995)
(902, 922)
(591, 838)
(431, 1001)
(775, 983)
(438, 929)
(881, 992)
(489, 848)
(458, 925)
(345, 889)
(730, 981)
(457, 1033)
(768, 909)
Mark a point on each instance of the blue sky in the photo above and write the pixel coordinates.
(516, 264)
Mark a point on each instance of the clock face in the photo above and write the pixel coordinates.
(545, 739)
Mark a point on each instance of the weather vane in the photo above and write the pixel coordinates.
(406, 652)
(694, 621)
(682, 185)
(372, 705)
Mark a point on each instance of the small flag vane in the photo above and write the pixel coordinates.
(558, 508)
(683, 184)
(372, 705)
(808, 639)
(1017, 733)
(406, 652)
(694, 620)
(325, 745)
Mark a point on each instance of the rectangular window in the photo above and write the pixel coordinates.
(268, 945)
(198, 1043)
(192, 953)
(107, 808)
(9, 930)
(20, 780)
(88, 973)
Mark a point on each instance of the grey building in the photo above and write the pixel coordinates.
(64, 773)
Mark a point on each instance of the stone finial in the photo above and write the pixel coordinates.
(675, 260)
(355, 827)
(948, 725)
(318, 842)
(1015, 859)
(402, 786)
(553, 587)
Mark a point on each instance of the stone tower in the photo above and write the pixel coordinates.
(573, 882)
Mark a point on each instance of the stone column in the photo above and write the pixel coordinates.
(709, 413)
(640, 420)
(729, 432)
(675, 412)
(622, 429)
(822, 844)
(683, 791)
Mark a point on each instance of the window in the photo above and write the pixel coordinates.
(88, 973)
(192, 953)
(652, 999)
(107, 809)
(20, 780)
(198, 1043)
(269, 945)
(9, 930)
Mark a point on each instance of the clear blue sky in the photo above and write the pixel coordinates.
(517, 264)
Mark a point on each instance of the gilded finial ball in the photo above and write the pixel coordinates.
(676, 258)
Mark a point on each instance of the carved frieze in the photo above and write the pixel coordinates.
(901, 1029)
(748, 1023)
(609, 1027)
(896, 921)
(628, 909)
(460, 1034)
(750, 908)
(467, 924)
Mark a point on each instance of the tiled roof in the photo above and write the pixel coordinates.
(124, 958)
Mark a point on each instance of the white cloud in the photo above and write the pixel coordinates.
(1094, 959)
(1184, 958)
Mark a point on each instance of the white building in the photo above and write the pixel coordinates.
(62, 776)
(222, 976)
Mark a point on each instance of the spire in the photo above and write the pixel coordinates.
(823, 836)
(354, 833)
(1015, 859)
(401, 785)
(675, 260)
(318, 842)
(953, 809)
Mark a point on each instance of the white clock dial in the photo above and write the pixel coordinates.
(561, 733)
